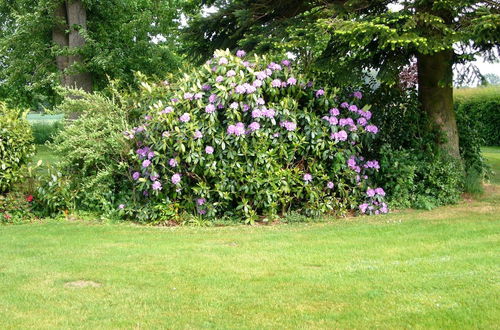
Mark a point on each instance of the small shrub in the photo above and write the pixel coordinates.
(92, 167)
(16, 146)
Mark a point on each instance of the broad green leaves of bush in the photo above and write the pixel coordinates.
(16, 146)
(249, 138)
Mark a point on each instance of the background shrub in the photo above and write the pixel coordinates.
(92, 170)
(480, 106)
(16, 146)
(249, 140)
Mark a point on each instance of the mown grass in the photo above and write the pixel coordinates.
(477, 92)
(411, 269)
(492, 154)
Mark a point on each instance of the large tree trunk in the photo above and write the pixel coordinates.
(77, 19)
(60, 38)
(71, 15)
(435, 91)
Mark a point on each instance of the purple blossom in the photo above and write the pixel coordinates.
(238, 129)
(380, 191)
(334, 112)
(146, 163)
(384, 208)
(362, 121)
(209, 150)
(231, 73)
(240, 89)
(147, 117)
(370, 192)
(172, 162)
(174, 100)
(365, 114)
(176, 178)
(219, 79)
(363, 207)
(156, 185)
(257, 113)
(210, 108)
(206, 87)
(357, 95)
(260, 101)
(257, 83)
(246, 64)
(307, 177)
(344, 105)
(274, 66)
(223, 61)
(261, 75)
(351, 162)
(185, 117)
(151, 154)
(202, 212)
(346, 122)
(241, 53)
(220, 106)
(289, 125)
(140, 129)
(320, 92)
(212, 98)
(372, 129)
(197, 134)
(285, 62)
(353, 108)
(167, 110)
(246, 107)
(249, 89)
(254, 126)
(330, 185)
(136, 176)
(188, 96)
(121, 206)
(200, 201)
(339, 136)
(269, 113)
(372, 164)
(333, 120)
(234, 105)
(276, 83)
(291, 81)
(154, 177)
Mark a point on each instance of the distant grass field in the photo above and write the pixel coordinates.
(477, 92)
(411, 269)
(42, 118)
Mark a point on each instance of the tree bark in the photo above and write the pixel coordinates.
(435, 92)
(77, 19)
(60, 38)
(71, 16)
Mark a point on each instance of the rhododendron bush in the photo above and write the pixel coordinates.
(248, 137)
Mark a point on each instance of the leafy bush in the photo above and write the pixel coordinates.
(46, 132)
(420, 180)
(91, 172)
(16, 145)
(15, 208)
(480, 106)
(413, 170)
(249, 139)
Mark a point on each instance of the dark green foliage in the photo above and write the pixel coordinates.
(46, 132)
(480, 110)
(16, 146)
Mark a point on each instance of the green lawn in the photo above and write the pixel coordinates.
(492, 154)
(411, 269)
(43, 118)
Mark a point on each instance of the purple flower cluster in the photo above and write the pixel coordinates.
(339, 136)
(237, 129)
(289, 125)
